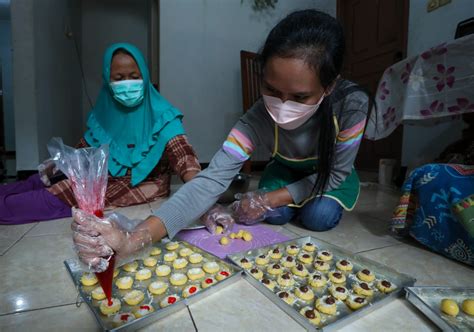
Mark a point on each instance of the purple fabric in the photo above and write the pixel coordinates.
(262, 236)
(28, 201)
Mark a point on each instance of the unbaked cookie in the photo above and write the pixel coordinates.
(158, 287)
(143, 310)
(326, 305)
(107, 309)
(155, 251)
(468, 307)
(185, 252)
(261, 260)
(310, 247)
(325, 255)
(211, 267)
(178, 279)
(98, 294)
(385, 286)
(321, 265)
(222, 275)
(124, 283)
(172, 245)
(275, 253)
(304, 293)
(305, 258)
(355, 301)
(275, 269)
(195, 273)
(195, 258)
(170, 256)
(245, 263)
(180, 263)
(317, 280)
(150, 261)
(190, 290)
(344, 265)
(134, 297)
(123, 318)
(366, 275)
(287, 297)
(311, 314)
(363, 288)
(288, 261)
(131, 267)
(336, 277)
(89, 279)
(256, 273)
(163, 270)
(449, 307)
(286, 280)
(143, 274)
(292, 249)
(299, 270)
(169, 300)
(270, 284)
(208, 282)
(339, 292)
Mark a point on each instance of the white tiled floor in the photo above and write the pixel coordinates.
(37, 293)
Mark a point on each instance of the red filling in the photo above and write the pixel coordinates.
(192, 290)
(171, 300)
(145, 307)
(225, 273)
(124, 317)
(208, 281)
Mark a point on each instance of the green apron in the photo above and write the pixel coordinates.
(281, 171)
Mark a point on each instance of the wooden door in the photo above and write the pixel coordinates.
(376, 37)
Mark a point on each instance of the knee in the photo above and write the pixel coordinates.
(284, 215)
(321, 217)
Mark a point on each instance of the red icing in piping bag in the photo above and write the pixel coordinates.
(105, 278)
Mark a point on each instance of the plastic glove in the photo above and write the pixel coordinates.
(218, 215)
(96, 239)
(252, 207)
(46, 170)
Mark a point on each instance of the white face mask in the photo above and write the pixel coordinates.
(290, 114)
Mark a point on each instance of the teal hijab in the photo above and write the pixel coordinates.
(137, 136)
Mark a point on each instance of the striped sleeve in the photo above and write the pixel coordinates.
(238, 145)
(350, 138)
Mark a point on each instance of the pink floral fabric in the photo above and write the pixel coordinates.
(435, 85)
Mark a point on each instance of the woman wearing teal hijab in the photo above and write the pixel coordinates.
(146, 141)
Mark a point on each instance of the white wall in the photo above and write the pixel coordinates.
(200, 43)
(426, 30)
(105, 22)
(7, 83)
(46, 81)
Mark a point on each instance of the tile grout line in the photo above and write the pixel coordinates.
(10, 247)
(387, 246)
(192, 318)
(36, 309)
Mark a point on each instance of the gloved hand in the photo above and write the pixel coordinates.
(218, 215)
(96, 239)
(46, 170)
(252, 207)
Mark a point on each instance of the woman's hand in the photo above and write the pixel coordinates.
(252, 207)
(218, 215)
(46, 170)
(96, 239)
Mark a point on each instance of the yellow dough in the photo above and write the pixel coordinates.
(219, 230)
(123, 318)
(292, 250)
(362, 288)
(134, 297)
(124, 283)
(222, 275)
(304, 293)
(169, 300)
(208, 282)
(170, 256)
(239, 234)
(195, 258)
(275, 253)
(336, 277)
(305, 258)
(385, 286)
(468, 307)
(321, 265)
(287, 297)
(309, 247)
(130, 267)
(355, 302)
(233, 236)
(256, 273)
(261, 260)
(245, 263)
(326, 305)
(366, 275)
(299, 270)
(89, 279)
(339, 292)
(210, 267)
(286, 280)
(150, 261)
(190, 290)
(224, 241)
(172, 246)
(247, 236)
(195, 273)
(449, 307)
(344, 265)
(288, 261)
(270, 284)
(116, 273)
(143, 310)
(180, 263)
(185, 252)
(311, 314)
(178, 279)
(317, 280)
(163, 270)
(275, 269)
(143, 274)
(98, 294)
(158, 287)
(155, 251)
(325, 255)
(107, 309)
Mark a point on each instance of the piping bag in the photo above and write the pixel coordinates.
(87, 171)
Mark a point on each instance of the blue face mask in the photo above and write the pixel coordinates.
(129, 93)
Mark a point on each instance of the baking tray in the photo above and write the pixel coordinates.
(428, 299)
(75, 270)
(344, 315)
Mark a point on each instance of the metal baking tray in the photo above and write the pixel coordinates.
(106, 323)
(428, 300)
(344, 314)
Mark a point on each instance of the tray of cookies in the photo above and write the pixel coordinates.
(322, 287)
(144, 291)
(451, 308)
